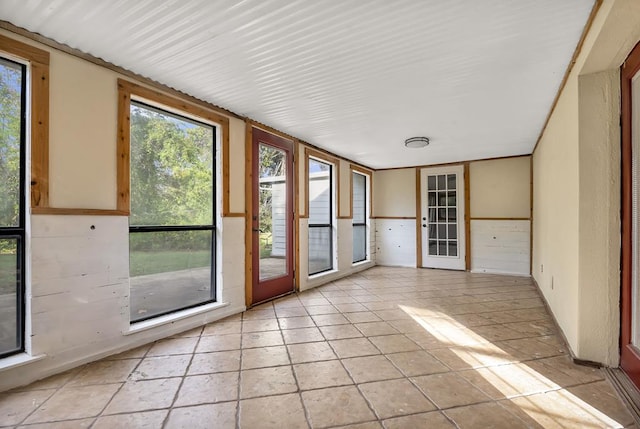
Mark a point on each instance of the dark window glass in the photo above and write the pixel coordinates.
(320, 217)
(172, 228)
(359, 195)
(12, 216)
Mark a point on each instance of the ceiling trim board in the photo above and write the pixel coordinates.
(445, 164)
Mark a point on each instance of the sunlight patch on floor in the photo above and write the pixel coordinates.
(502, 376)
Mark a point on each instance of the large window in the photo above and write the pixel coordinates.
(12, 200)
(359, 207)
(172, 220)
(320, 216)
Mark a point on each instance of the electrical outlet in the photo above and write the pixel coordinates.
(541, 268)
(551, 282)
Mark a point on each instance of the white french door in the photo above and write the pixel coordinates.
(442, 217)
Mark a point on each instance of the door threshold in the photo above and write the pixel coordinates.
(271, 299)
(626, 390)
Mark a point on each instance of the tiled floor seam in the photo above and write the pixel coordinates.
(299, 391)
(238, 390)
(352, 379)
(76, 375)
(184, 376)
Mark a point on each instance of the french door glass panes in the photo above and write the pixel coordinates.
(320, 217)
(359, 195)
(12, 217)
(442, 206)
(171, 226)
(272, 213)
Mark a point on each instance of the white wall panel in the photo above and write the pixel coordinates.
(79, 292)
(396, 242)
(500, 246)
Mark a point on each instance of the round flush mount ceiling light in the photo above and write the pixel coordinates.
(416, 142)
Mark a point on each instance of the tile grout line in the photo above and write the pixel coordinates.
(144, 355)
(240, 369)
(295, 375)
(182, 379)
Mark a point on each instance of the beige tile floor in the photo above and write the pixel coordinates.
(390, 347)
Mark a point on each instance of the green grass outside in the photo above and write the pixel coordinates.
(143, 263)
(7, 274)
(266, 243)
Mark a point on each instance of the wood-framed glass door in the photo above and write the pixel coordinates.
(630, 266)
(442, 217)
(272, 216)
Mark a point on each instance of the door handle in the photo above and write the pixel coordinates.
(424, 225)
(257, 230)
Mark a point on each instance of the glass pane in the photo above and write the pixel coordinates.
(452, 215)
(433, 248)
(359, 198)
(432, 215)
(442, 248)
(432, 199)
(451, 181)
(169, 271)
(433, 230)
(442, 199)
(359, 243)
(9, 277)
(10, 141)
(272, 220)
(319, 193)
(442, 182)
(320, 249)
(442, 215)
(453, 248)
(442, 231)
(453, 232)
(171, 169)
(431, 183)
(451, 199)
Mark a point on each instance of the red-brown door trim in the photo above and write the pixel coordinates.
(271, 288)
(629, 356)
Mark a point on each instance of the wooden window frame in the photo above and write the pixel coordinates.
(128, 90)
(364, 172)
(38, 60)
(311, 153)
(368, 192)
(17, 231)
(335, 184)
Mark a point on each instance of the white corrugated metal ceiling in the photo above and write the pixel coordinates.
(356, 77)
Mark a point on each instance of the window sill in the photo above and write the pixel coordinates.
(173, 317)
(17, 360)
(357, 264)
(322, 274)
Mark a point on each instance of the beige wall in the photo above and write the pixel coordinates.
(345, 189)
(555, 213)
(576, 226)
(492, 195)
(236, 165)
(599, 229)
(394, 193)
(82, 143)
